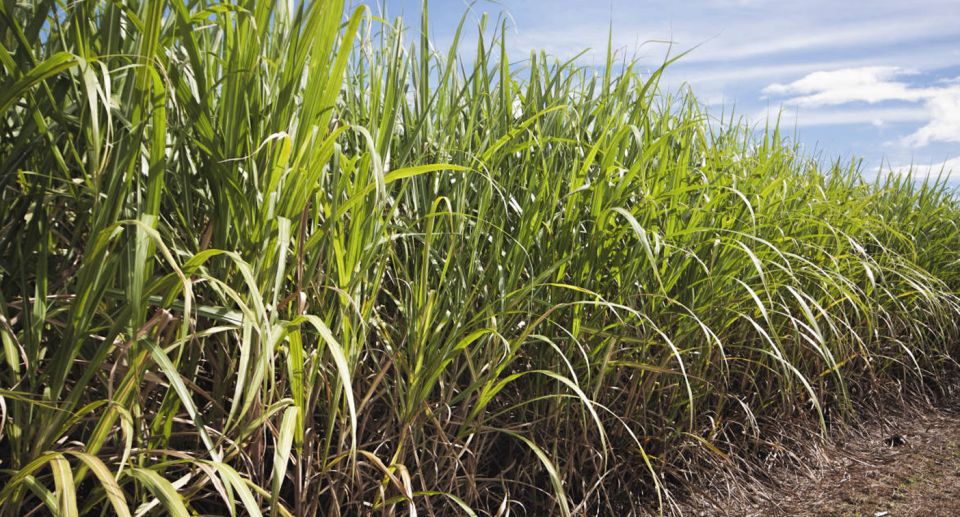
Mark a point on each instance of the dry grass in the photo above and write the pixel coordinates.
(900, 456)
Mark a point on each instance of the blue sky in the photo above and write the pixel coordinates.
(875, 79)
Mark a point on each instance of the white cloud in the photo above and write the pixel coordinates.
(877, 84)
(698, 74)
(871, 84)
(944, 125)
(748, 76)
(728, 30)
(950, 168)
(784, 38)
(834, 117)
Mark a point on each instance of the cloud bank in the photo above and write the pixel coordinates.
(878, 84)
(949, 167)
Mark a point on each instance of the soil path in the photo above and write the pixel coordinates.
(901, 465)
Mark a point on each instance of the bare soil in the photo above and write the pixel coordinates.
(893, 463)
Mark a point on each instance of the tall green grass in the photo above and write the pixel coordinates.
(283, 258)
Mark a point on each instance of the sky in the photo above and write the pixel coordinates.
(876, 80)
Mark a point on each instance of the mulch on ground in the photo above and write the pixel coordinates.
(897, 462)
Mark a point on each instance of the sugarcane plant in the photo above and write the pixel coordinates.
(291, 258)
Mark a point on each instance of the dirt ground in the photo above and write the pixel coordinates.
(905, 462)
